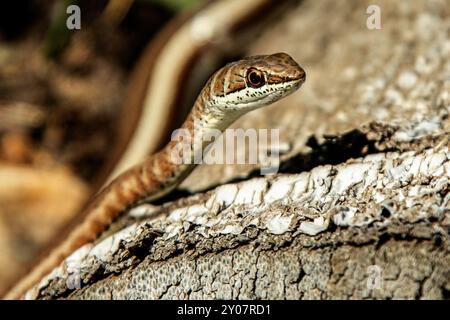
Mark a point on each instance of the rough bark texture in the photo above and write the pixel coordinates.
(362, 210)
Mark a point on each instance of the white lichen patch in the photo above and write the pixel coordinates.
(313, 228)
(278, 224)
(351, 175)
(232, 229)
(320, 182)
(418, 129)
(251, 192)
(300, 186)
(195, 212)
(223, 197)
(173, 230)
(280, 189)
(104, 248)
(435, 165)
(177, 214)
(108, 246)
(78, 255)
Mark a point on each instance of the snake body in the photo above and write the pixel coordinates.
(232, 91)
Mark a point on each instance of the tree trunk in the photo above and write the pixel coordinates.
(360, 208)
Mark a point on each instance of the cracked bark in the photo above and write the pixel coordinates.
(361, 206)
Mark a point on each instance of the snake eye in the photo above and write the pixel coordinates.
(255, 78)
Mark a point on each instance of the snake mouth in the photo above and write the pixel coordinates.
(292, 84)
(297, 81)
(287, 84)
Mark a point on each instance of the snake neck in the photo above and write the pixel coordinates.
(191, 142)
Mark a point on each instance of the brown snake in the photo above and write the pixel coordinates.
(232, 91)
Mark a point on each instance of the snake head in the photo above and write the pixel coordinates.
(254, 82)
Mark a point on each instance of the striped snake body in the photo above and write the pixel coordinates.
(232, 91)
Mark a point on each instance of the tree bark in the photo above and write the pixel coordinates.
(360, 208)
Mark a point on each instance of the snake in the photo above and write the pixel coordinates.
(164, 83)
(232, 91)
